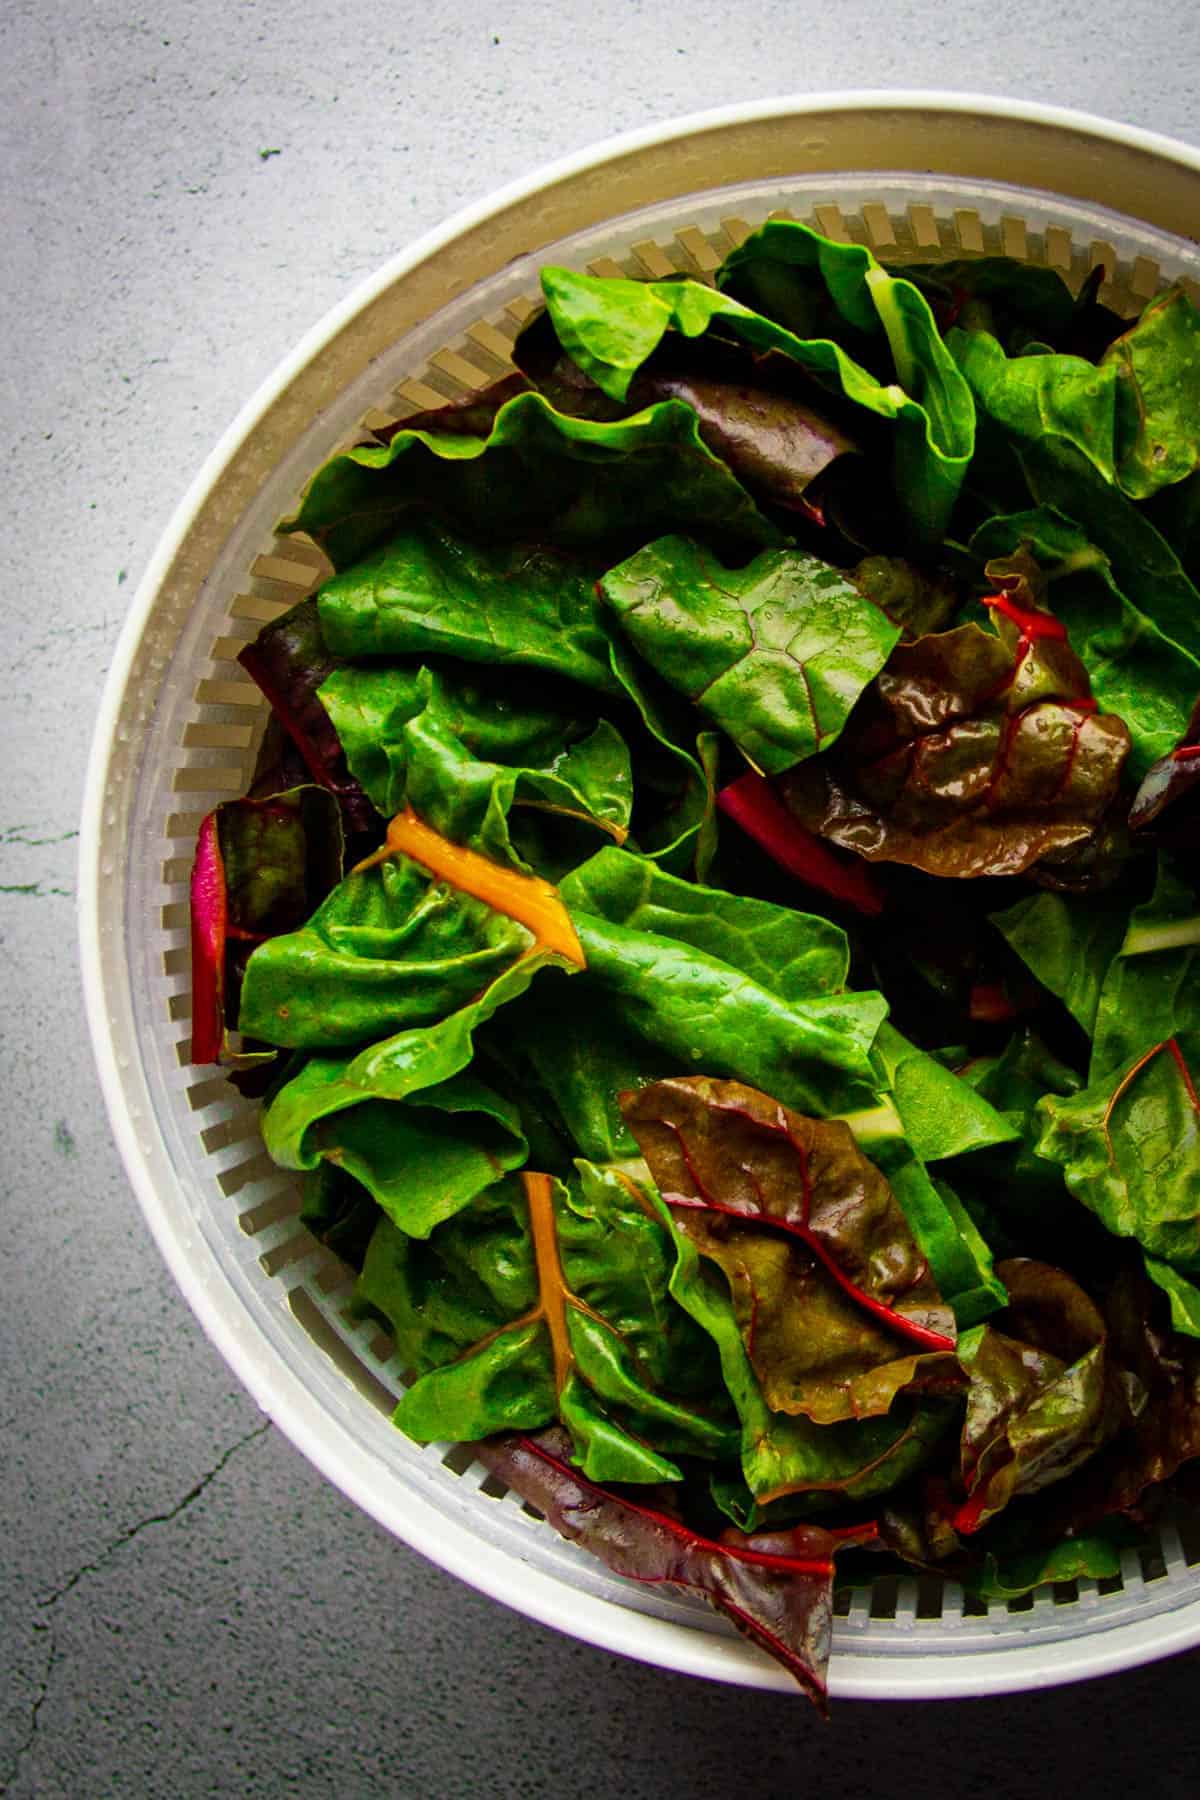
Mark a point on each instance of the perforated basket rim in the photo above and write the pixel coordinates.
(286, 1398)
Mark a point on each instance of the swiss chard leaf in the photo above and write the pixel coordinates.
(831, 1292)
(1166, 807)
(776, 1587)
(391, 947)
(775, 653)
(1129, 1148)
(531, 612)
(793, 274)
(1042, 1397)
(974, 753)
(1144, 565)
(1068, 942)
(1163, 1436)
(785, 1455)
(528, 470)
(289, 659)
(422, 1155)
(1157, 363)
(1152, 986)
(1051, 400)
(544, 1302)
(463, 757)
(261, 867)
(1135, 669)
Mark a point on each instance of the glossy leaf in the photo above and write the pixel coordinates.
(529, 471)
(391, 947)
(794, 275)
(785, 1455)
(1151, 988)
(1144, 566)
(1068, 942)
(1135, 669)
(1166, 807)
(1157, 363)
(529, 612)
(463, 756)
(544, 1302)
(1041, 1398)
(974, 753)
(1129, 1148)
(776, 1587)
(830, 1290)
(775, 653)
(1044, 399)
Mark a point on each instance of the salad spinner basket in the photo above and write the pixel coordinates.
(917, 177)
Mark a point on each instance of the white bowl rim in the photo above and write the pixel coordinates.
(280, 1394)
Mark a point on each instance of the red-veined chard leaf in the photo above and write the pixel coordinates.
(1166, 807)
(1135, 669)
(976, 752)
(776, 1587)
(1043, 1393)
(833, 1297)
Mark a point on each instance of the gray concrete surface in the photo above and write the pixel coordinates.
(185, 1607)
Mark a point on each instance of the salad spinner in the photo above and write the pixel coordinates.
(915, 176)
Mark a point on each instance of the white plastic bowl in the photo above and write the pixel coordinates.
(933, 174)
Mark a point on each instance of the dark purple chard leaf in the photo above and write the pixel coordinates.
(723, 1147)
(776, 1587)
(288, 661)
(974, 753)
(1043, 1395)
(261, 867)
(758, 414)
(1161, 1442)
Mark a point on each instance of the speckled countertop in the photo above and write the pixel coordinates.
(186, 1608)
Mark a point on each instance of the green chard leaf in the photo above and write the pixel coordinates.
(529, 471)
(1129, 1148)
(392, 947)
(811, 283)
(463, 756)
(1144, 566)
(1068, 942)
(530, 612)
(542, 1302)
(775, 653)
(1152, 986)
(1157, 364)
